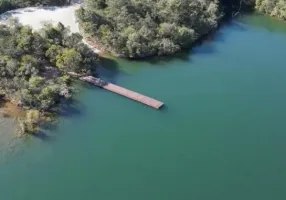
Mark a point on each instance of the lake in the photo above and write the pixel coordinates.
(221, 136)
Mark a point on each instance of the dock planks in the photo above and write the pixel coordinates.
(124, 92)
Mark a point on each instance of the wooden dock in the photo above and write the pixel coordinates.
(124, 92)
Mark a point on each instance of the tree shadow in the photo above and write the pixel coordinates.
(42, 135)
(203, 45)
(164, 109)
(238, 26)
(70, 108)
(204, 48)
(182, 56)
(108, 69)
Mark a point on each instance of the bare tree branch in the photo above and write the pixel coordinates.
(240, 5)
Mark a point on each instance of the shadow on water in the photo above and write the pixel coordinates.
(43, 135)
(71, 108)
(68, 108)
(182, 56)
(108, 69)
(263, 21)
(164, 109)
(203, 46)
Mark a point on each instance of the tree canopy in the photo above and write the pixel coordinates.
(33, 64)
(275, 8)
(133, 28)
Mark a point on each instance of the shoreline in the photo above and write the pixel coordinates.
(10, 109)
(27, 16)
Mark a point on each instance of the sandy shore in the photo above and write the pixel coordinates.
(37, 16)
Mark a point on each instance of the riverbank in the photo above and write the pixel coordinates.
(36, 79)
(221, 135)
(37, 18)
(65, 15)
(130, 31)
(12, 110)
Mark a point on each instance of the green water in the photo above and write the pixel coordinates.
(222, 135)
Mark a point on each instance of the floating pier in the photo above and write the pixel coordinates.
(124, 92)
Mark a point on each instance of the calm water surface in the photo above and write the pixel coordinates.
(222, 135)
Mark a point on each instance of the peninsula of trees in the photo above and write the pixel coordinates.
(33, 67)
(133, 28)
(141, 28)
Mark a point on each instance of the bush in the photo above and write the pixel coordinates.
(31, 123)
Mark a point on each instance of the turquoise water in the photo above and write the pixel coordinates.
(222, 134)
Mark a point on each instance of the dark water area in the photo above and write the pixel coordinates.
(222, 134)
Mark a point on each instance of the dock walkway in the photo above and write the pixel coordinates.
(124, 92)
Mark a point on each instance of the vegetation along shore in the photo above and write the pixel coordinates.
(137, 29)
(34, 64)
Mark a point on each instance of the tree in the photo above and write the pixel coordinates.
(31, 123)
(29, 66)
(72, 40)
(69, 60)
(11, 67)
(35, 83)
(48, 97)
(53, 51)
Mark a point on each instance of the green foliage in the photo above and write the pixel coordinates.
(31, 123)
(275, 8)
(66, 79)
(33, 65)
(53, 51)
(133, 28)
(140, 28)
(69, 60)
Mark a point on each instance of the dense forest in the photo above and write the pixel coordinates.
(33, 66)
(141, 28)
(6, 5)
(133, 28)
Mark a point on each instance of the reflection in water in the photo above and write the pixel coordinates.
(9, 138)
(264, 22)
